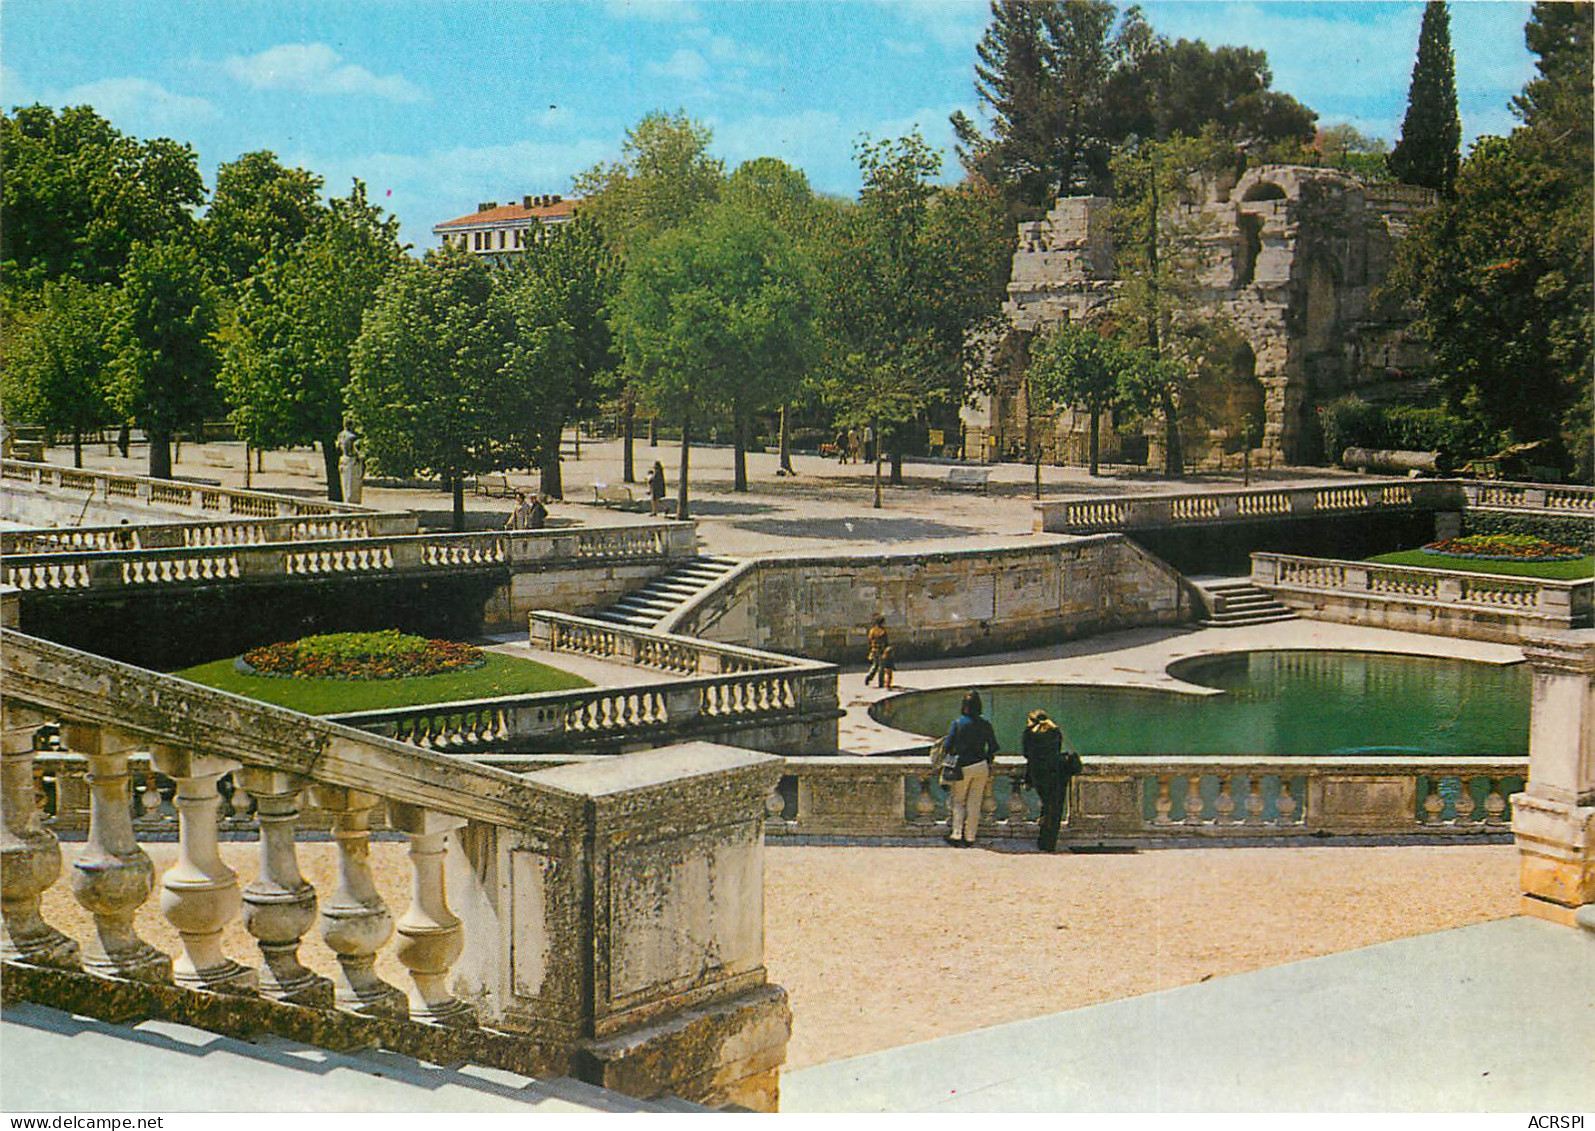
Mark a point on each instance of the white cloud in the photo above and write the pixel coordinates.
(724, 49)
(139, 105)
(685, 65)
(315, 68)
(655, 11)
(947, 23)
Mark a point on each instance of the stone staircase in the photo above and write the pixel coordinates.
(665, 594)
(1236, 603)
(166, 1066)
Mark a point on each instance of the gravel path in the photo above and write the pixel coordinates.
(880, 947)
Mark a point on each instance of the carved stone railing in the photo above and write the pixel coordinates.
(758, 700)
(1139, 799)
(111, 570)
(1116, 513)
(497, 860)
(225, 532)
(1548, 498)
(1330, 587)
(162, 495)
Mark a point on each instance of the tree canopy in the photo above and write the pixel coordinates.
(664, 174)
(259, 211)
(56, 359)
(1431, 133)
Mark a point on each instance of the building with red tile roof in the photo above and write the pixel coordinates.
(495, 229)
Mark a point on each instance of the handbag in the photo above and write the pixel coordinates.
(1072, 764)
(951, 772)
(939, 754)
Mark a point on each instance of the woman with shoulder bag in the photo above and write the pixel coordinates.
(971, 747)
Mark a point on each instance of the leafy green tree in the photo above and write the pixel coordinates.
(664, 174)
(1343, 146)
(259, 212)
(287, 348)
(163, 359)
(1501, 275)
(1431, 133)
(714, 315)
(435, 385)
(906, 276)
(56, 360)
(1073, 366)
(78, 195)
(560, 291)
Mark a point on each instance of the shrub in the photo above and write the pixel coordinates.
(1504, 547)
(1351, 422)
(361, 655)
(1578, 532)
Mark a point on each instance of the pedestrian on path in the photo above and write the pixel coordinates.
(972, 747)
(1047, 772)
(880, 647)
(656, 488)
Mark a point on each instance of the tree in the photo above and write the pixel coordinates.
(1074, 366)
(1431, 134)
(287, 350)
(78, 196)
(1343, 146)
(907, 276)
(259, 211)
(56, 359)
(1500, 276)
(434, 384)
(715, 315)
(163, 361)
(665, 173)
(560, 291)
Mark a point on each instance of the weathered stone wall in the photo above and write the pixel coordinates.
(1290, 255)
(962, 601)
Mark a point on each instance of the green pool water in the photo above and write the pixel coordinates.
(1305, 703)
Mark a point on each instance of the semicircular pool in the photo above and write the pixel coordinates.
(1305, 703)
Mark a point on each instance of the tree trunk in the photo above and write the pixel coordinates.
(457, 485)
(329, 462)
(681, 477)
(628, 466)
(1096, 421)
(1173, 450)
(739, 450)
(124, 438)
(653, 431)
(1036, 455)
(249, 478)
(77, 447)
(877, 454)
(160, 454)
(897, 458)
(786, 452)
(260, 459)
(550, 480)
(576, 431)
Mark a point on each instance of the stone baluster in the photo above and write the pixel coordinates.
(924, 801)
(1433, 804)
(112, 876)
(431, 938)
(1465, 803)
(30, 857)
(988, 803)
(1494, 803)
(1193, 798)
(355, 922)
(1285, 803)
(1254, 800)
(1224, 803)
(199, 894)
(279, 906)
(1164, 803)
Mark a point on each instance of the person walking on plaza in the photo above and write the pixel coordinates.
(656, 488)
(880, 648)
(840, 444)
(1048, 772)
(855, 446)
(527, 515)
(972, 747)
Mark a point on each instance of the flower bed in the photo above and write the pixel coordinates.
(1504, 548)
(360, 655)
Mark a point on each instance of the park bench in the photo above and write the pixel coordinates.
(299, 465)
(494, 486)
(969, 478)
(612, 495)
(215, 457)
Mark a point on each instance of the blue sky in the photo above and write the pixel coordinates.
(437, 104)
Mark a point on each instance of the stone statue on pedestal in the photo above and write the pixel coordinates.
(351, 467)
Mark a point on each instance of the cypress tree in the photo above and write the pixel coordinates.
(1431, 134)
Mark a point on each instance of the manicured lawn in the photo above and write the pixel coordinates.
(1575, 570)
(501, 675)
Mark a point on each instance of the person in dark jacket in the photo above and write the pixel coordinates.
(973, 746)
(1046, 768)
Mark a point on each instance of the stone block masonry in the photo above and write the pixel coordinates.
(950, 603)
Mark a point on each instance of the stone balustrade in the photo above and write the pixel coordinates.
(532, 939)
(110, 491)
(221, 532)
(1477, 605)
(1124, 512)
(1151, 799)
(759, 700)
(346, 556)
(1548, 498)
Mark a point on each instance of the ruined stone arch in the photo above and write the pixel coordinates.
(1264, 190)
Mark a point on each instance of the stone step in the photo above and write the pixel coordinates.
(1238, 620)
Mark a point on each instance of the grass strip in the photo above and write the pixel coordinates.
(1577, 569)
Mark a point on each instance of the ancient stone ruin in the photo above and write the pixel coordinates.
(1291, 256)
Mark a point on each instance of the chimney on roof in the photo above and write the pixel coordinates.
(526, 201)
(487, 206)
(555, 199)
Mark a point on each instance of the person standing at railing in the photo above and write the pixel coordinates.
(972, 747)
(656, 488)
(1048, 771)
